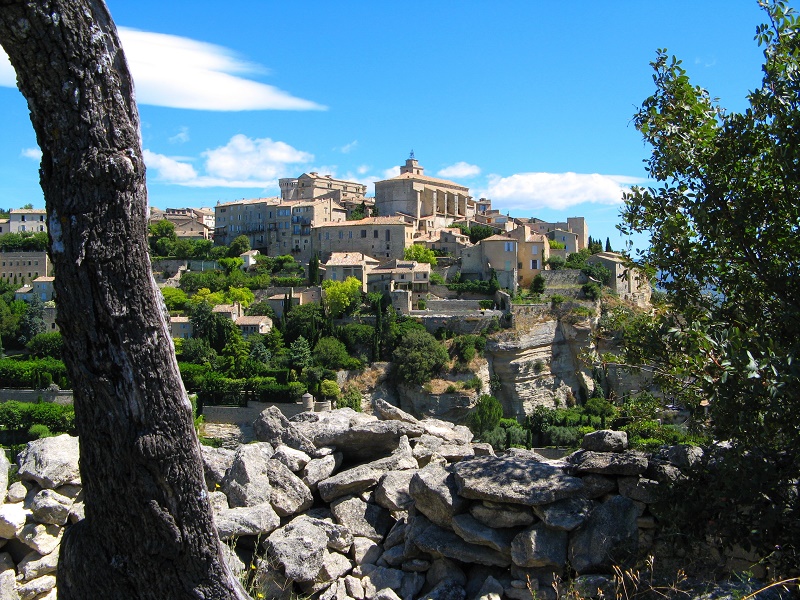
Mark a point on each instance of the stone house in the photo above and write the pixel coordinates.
(629, 283)
(569, 239)
(533, 252)
(231, 311)
(401, 275)
(24, 266)
(44, 288)
(254, 325)
(313, 185)
(380, 238)
(342, 265)
(498, 253)
(180, 327)
(448, 240)
(32, 220)
(576, 225)
(307, 296)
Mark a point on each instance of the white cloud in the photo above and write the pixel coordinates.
(460, 170)
(241, 163)
(347, 148)
(180, 72)
(532, 191)
(32, 153)
(362, 169)
(391, 172)
(181, 137)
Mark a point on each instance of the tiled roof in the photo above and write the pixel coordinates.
(432, 180)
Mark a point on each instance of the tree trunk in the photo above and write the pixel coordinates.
(148, 531)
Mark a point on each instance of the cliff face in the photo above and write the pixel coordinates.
(538, 364)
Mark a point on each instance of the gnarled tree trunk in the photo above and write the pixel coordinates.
(148, 531)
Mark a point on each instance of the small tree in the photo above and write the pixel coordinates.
(538, 284)
(420, 254)
(330, 389)
(313, 270)
(239, 246)
(300, 354)
(486, 415)
(418, 356)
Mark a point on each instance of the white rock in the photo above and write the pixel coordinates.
(42, 538)
(12, 519)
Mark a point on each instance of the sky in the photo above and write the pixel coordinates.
(529, 103)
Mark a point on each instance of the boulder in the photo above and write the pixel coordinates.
(629, 462)
(446, 590)
(51, 461)
(388, 412)
(260, 519)
(433, 489)
(339, 537)
(41, 538)
(216, 462)
(36, 588)
(51, 507)
(608, 538)
(17, 491)
(289, 494)
(247, 481)
(318, 469)
(392, 492)
(444, 568)
(540, 546)
(8, 582)
(295, 460)
(597, 486)
(440, 542)
(605, 440)
(493, 514)
(299, 548)
(350, 482)
(565, 515)
(273, 427)
(363, 519)
(12, 519)
(4, 466)
(381, 578)
(365, 551)
(34, 565)
(514, 479)
(639, 489)
(473, 531)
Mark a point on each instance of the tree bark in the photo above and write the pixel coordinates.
(148, 531)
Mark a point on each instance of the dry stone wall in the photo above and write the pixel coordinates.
(345, 505)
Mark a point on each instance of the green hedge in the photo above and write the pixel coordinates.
(20, 417)
(33, 374)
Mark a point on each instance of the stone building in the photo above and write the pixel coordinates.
(533, 252)
(313, 185)
(497, 253)
(573, 225)
(342, 265)
(629, 283)
(405, 275)
(21, 267)
(22, 220)
(432, 203)
(378, 237)
(450, 240)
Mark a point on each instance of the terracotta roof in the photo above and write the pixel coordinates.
(349, 258)
(254, 320)
(365, 221)
(432, 180)
(499, 238)
(225, 308)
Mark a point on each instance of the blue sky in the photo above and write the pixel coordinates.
(528, 103)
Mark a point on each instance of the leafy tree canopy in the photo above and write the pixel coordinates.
(419, 356)
(340, 296)
(420, 254)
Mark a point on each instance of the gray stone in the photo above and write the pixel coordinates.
(442, 569)
(382, 577)
(246, 520)
(12, 519)
(8, 582)
(339, 536)
(51, 461)
(320, 468)
(51, 507)
(540, 546)
(349, 482)
(684, 456)
(393, 556)
(386, 594)
(493, 514)
(218, 501)
(289, 494)
(71, 490)
(363, 519)
(473, 531)
(434, 491)
(664, 472)
(416, 565)
(392, 492)
(605, 440)
(270, 583)
(482, 449)
(247, 480)
(233, 561)
(273, 427)
(609, 537)
(361, 439)
(216, 462)
(388, 412)
(565, 514)
(4, 466)
(42, 538)
(365, 551)
(299, 548)
(353, 587)
(594, 586)
(396, 535)
(16, 492)
(35, 565)
(639, 489)
(334, 566)
(36, 587)
(513, 479)
(411, 586)
(490, 590)
(597, 486)
(446, 590)
(295, 460)
(76, 513)
(629, 462)
(438, 541)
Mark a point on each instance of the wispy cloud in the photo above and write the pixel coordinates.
(391, 172)
(533, 191)
(181, 137)
(179, 72)
(347, 148)
(32, 153)
(241, 163)
(460, 170)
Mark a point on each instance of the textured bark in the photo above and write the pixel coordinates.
(148, 531)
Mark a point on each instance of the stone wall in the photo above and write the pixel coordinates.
(386, 507)
(56, 396)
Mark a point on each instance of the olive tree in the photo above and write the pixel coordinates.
(148, 531)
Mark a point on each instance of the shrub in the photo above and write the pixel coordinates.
(47, 344)
(538, 284)
(486, 415)
(474, 383)
(557, 299)
(422, 304)
(599, 407)
(591, 290)
(436, 278)
(486, 304)
(564, 436)
(418, 356)
(39, 431)
(451, 389)
(351, 398)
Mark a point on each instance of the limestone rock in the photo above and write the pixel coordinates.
(381, 578)
(629, 462)
(218, 501)
(35, 565)
(353, 587)
(247, 481)
(17, 492)
(609, 537)
(12, 519)
(349, 482)
(339, 537)
(392, 492)
(540, 546)
(320, 468)
(446, 590)
(434, 491)
(51, 507)
(605, 440)
(365, 551)
(438, 541)
(273, 427)
(597, 486)
(444, 568)
(565, 515)
(246, 520)
(36, 587)
(216, 462)
(490, 590)
(299, 548)
(42, 538)
(51, 461)
(362, 518)
(388, 412)
(289, 494)
(8, 582)
(493, 514)
(295, 460)
(639, 489)
(513, 479)
(4, 466)
(473, 531)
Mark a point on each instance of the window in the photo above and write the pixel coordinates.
(534, 250)
(375, 234)
(341, 235)
(534, 264)
(363, 233)
(388, 235)
(509, 246)
(519, 265)
(508, 266)
(350, 235)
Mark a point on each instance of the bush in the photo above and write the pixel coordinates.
(464, 347)
(591, 290)
(422, 304)
(418, 356)
(538, 284)
(351, 398)
(39, 431)
(486, 415)
(436, 278)
(599, 407)
(486, 304)
(570, 437)
(46, 345)
(557, 299)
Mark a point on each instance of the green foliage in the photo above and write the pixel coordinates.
(557, 299)
(358, 338)
(46, 345)
(418, 357)
(332, 354)
(477, 233)
(300, 354)
(569, 437)
(32, 321)
(330, 389)
(198, 351)
(24, 241)
(229, 265)
(436, 278)
(238, 246)
(420, 254)
(341, 296)
(486, 304)
(174, 298)
(307, 321)
(313, 270)
(591, 291)
(351, 398)
(485, 416)
(597, 272)
(538, 284)
(556, 245)
(577, 260)
(599, 407)
(27, 374)
(39, 431)
(20, 417)
(556, 262)
(464, 347)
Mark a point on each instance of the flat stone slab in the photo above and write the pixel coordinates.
(629, 462)
(513, 479)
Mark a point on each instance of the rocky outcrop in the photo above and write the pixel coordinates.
(350, 506)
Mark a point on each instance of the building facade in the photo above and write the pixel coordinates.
(22, 267)
(313, 185)
(381, 238)
(26, 220)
